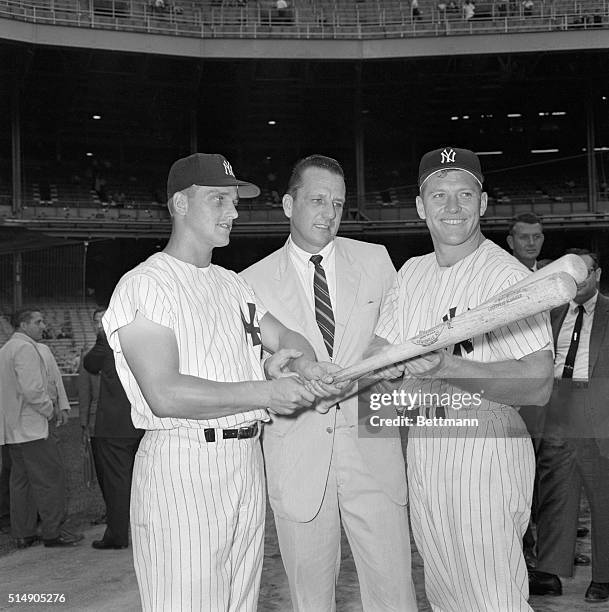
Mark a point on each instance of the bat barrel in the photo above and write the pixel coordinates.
(513, 304)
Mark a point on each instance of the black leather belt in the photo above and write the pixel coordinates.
(240, 434)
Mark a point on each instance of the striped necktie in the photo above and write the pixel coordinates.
(323, 303)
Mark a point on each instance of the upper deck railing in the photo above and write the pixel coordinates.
(310, 19)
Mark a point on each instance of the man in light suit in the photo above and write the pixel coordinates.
(30, 382)
(575, 446)
(319, 471)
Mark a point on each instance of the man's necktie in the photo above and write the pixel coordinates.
(323, 305)
(570, 359)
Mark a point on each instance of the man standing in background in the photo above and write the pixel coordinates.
(575, 446)
(114, 443)
(88, 397)
(88, 386)
(37, 482)
(525, 238)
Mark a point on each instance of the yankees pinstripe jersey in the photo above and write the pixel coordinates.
(214, 315)
(470, 488)
(426, 294)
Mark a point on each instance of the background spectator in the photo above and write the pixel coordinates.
(469, 9)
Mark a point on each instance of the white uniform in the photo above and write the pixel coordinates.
(197, 507)
(470, 487)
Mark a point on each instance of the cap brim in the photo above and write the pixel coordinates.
(248, 190)
(421, 182)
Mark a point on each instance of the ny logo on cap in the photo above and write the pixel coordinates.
(228, 170)
(448, 157)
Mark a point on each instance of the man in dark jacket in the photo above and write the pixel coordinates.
(114, 444)
(575, 446)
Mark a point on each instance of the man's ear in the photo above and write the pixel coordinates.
(510, 241)
(483, 203)
(420, 207)
(288, 202)
(180, 204)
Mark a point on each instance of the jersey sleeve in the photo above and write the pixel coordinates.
(261, 309)
(388, 324)
(137, 293)
(523, 337)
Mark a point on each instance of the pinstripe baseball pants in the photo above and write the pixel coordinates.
(470, 499)
(197, 521)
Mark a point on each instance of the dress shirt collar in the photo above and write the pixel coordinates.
(303, 257)
(588, 305)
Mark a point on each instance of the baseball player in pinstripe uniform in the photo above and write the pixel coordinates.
(470, 488)
(187, 337)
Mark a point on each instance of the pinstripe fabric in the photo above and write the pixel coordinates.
(203, 306)
(424, 293)
(197, 538)
(469, 507)
(323, 304)
(470, 489)
(197, 508)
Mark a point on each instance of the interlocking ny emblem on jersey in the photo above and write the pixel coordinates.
(250, 327)
(468, 345)
(228, 169)
(448, 157)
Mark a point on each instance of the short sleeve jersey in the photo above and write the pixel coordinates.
(215, 317)
(426, 294)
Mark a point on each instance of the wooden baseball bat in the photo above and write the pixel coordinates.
(573, 265)
(515, 303)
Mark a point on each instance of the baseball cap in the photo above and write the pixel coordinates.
(449, 158)
(209, 170)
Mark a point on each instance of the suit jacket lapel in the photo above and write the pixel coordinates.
(599, 327)
(557, 316)
(293, 299)
(347, 287)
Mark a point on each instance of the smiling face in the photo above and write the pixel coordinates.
(209, 214)
(451, 202)
(316, 209)
(526, 241)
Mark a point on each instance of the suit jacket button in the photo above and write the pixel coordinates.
(329, 429)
